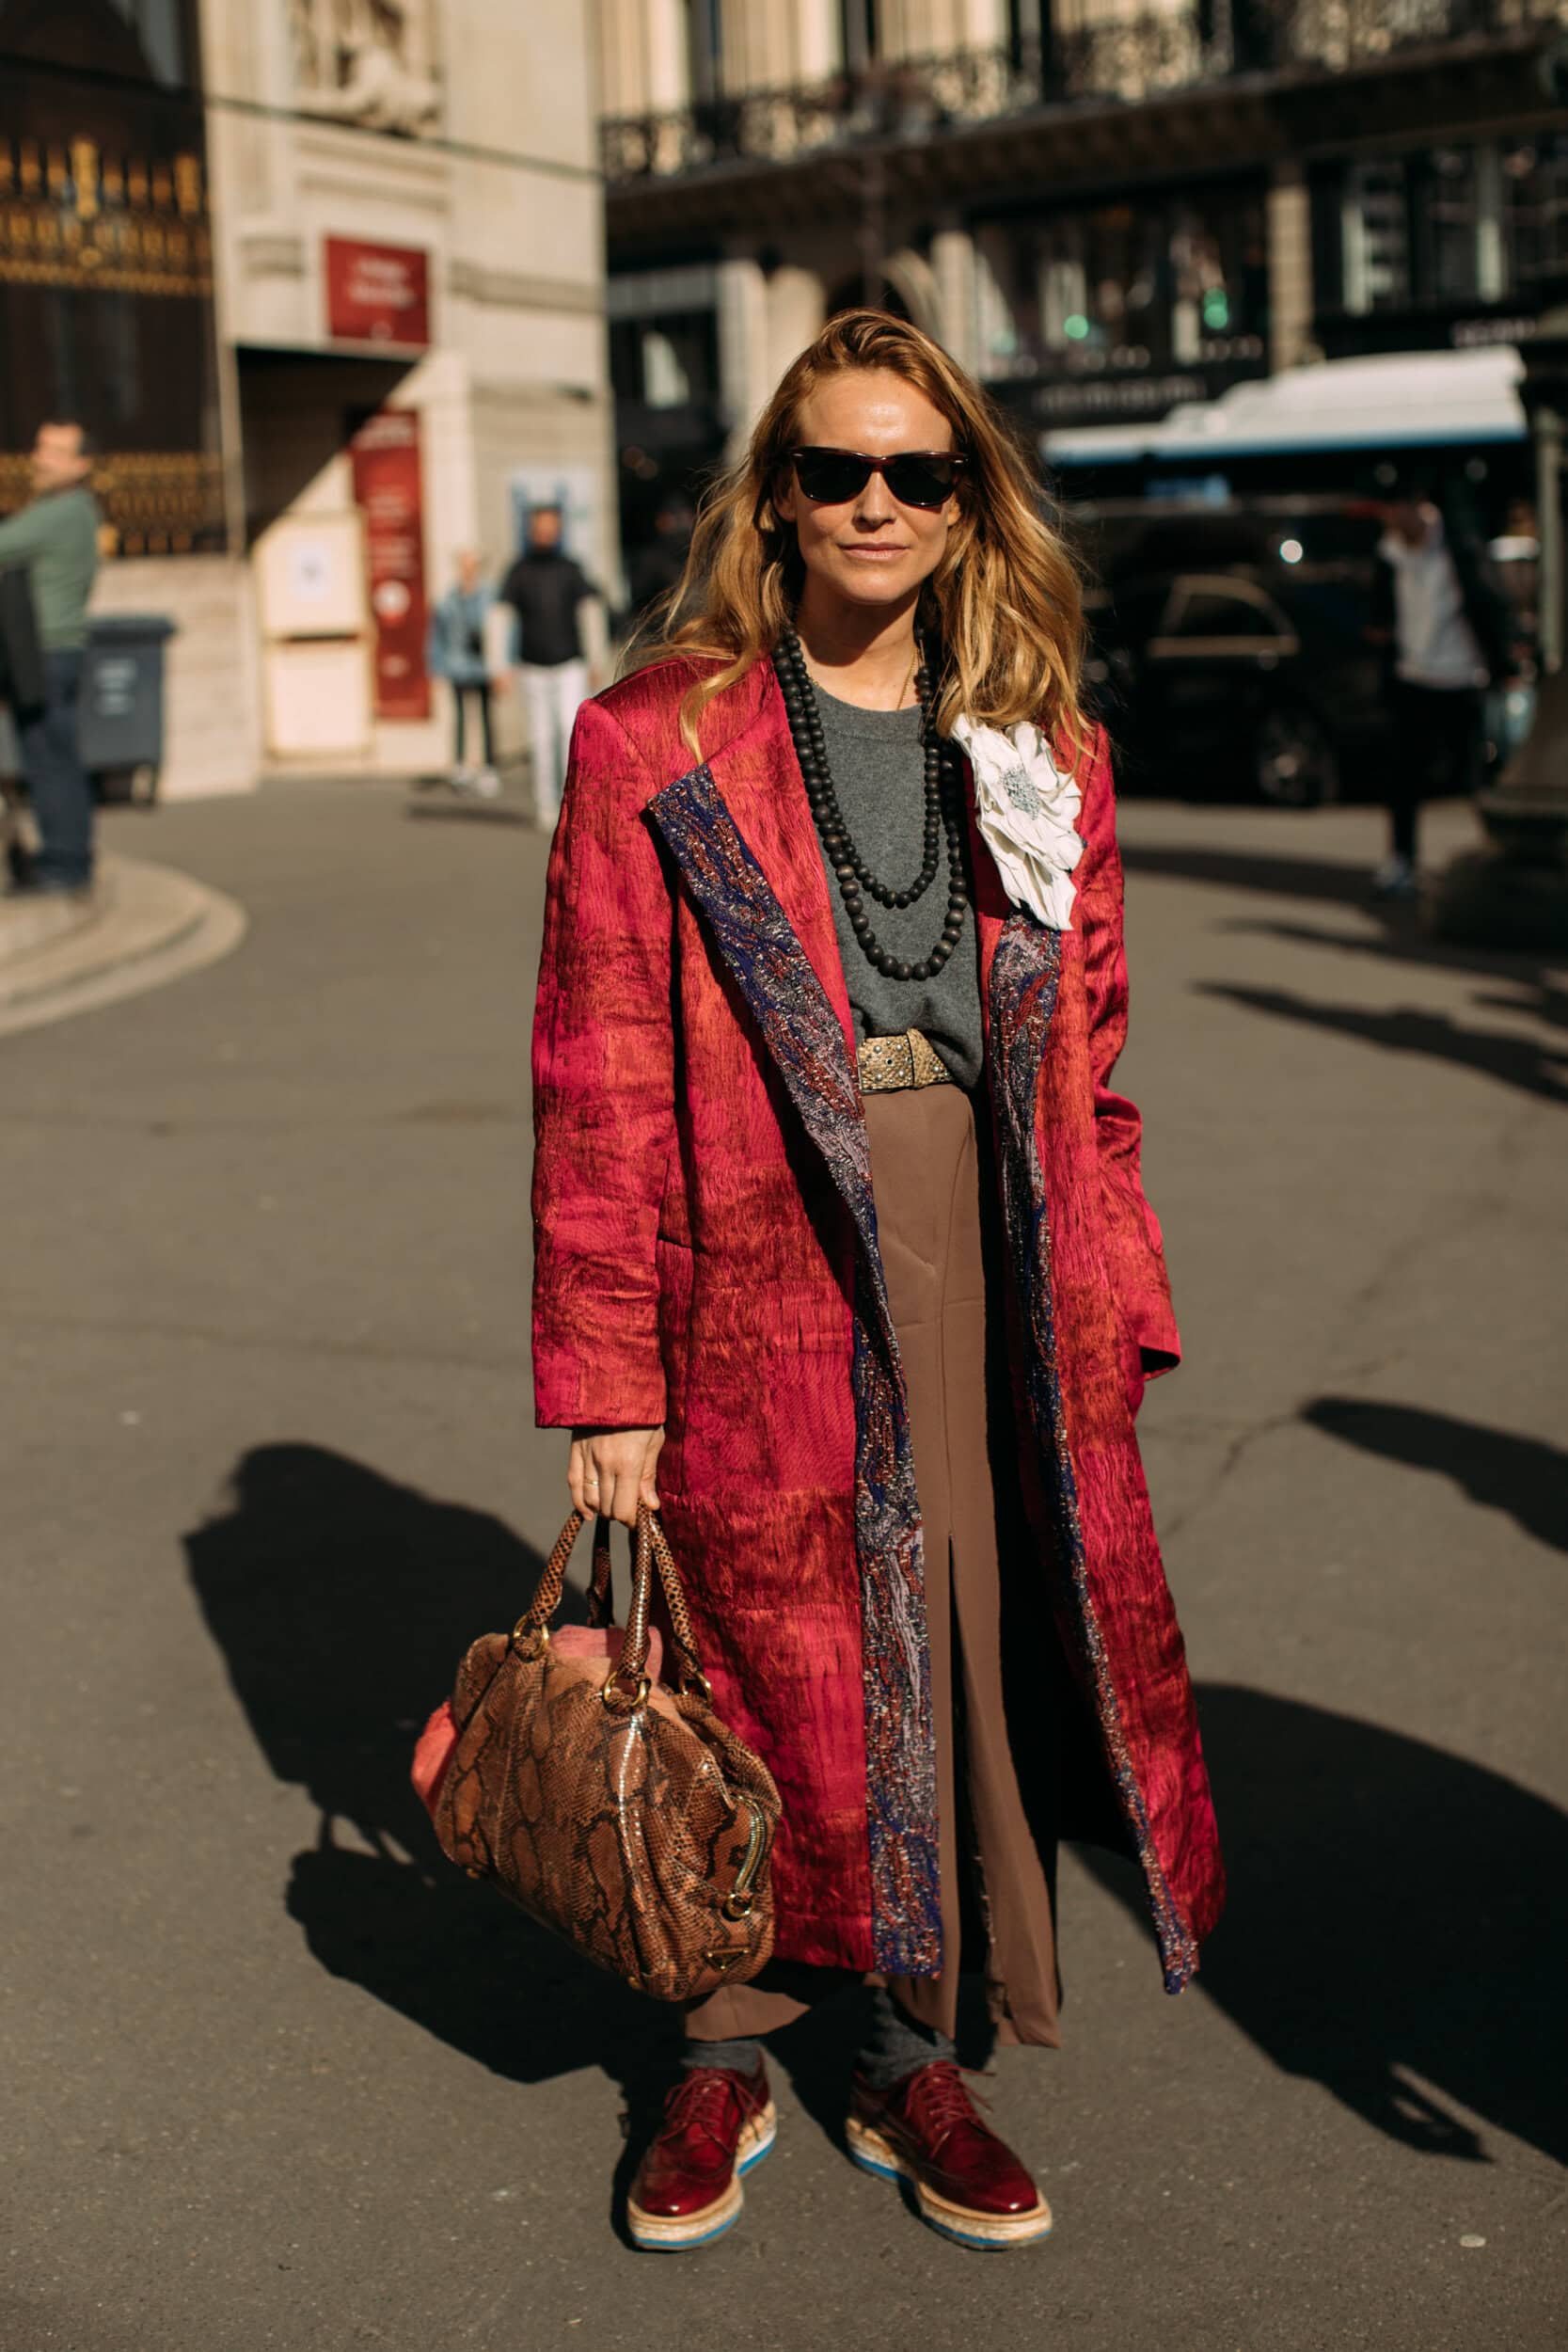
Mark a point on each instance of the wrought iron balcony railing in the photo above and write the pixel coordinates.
(1341, 33)
(1108, 60)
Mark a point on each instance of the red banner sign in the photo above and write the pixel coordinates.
(386, 487)
(377, 294)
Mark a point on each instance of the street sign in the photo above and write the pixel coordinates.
(377, 294)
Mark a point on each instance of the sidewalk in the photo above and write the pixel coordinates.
(144, 925)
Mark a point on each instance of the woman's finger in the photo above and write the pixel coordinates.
(620, 1495)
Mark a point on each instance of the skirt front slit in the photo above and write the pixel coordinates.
(997, 1873)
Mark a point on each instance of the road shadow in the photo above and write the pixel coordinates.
(1395, 1922)
(1523, 1476)
(1524, 1062)
(1332, 882)
(1533, 978)
(343, 1602)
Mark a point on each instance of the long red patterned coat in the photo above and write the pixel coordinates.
(706, 1258)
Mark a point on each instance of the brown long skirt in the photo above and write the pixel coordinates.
(996, 1879)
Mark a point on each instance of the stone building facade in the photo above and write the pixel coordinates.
(373, 335)
(1106, 208)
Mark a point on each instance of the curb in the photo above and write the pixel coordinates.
(144, 925)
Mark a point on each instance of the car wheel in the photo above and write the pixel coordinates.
(1294, 762)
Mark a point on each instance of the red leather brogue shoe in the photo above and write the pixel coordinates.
(966, 2183)
(718, 2124)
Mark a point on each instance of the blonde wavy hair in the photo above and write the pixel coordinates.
(1002, 614)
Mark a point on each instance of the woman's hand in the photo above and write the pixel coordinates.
(612, 1470)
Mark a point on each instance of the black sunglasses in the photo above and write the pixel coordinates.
(916, 477)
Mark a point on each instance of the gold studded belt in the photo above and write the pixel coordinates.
(910, 1059)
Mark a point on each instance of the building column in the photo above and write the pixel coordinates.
(797, 305)
(744, 382)
(953, 267)
(1290, 246)
(759, 47)
(818, 41)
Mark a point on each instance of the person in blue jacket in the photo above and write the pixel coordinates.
(456, 651)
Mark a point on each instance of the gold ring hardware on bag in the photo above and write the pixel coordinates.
(635, 1868)
(632, 1701)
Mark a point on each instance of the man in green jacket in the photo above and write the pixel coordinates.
(56, 536)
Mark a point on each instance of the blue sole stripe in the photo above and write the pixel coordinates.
(942, 2229)
(687, 2245)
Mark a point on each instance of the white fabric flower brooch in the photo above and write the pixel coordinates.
(1027, 809)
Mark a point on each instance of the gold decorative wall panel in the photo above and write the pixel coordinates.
(73, 215)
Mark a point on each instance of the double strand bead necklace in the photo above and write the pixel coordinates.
(856, 881)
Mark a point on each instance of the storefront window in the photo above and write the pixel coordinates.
(1452, 222)
(667, 361)
(1453, 225)
(1375, 229)
(1125, 287)
(1535, 212)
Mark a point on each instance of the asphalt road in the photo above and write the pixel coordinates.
(278, 2077)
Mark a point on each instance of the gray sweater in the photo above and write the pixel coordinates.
(878, 770)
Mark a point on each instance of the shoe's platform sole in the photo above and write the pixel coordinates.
(658, 2233)
(990, 2232)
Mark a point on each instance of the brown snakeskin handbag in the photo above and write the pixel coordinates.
(618, 1811)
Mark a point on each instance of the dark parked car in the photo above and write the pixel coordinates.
(1229, 650)
(1254, 678)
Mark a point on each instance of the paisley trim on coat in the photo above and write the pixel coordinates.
(806, 1040)
(1024, 979)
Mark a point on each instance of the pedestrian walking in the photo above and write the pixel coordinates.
(456, 651)
(1449, 632)
(55, 537)
(843, 1258)
(547, 589)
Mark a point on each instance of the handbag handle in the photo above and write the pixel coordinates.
(627, 1680)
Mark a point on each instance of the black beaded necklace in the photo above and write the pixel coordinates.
(943, 814)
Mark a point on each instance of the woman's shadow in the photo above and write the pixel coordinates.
(1396, 1925)
(343, 1602)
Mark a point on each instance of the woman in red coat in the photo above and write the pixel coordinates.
(843, 1258)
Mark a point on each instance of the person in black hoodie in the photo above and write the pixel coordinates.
(1449, 634)
(545, 588)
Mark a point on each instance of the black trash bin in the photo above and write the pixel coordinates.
(121, 710)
